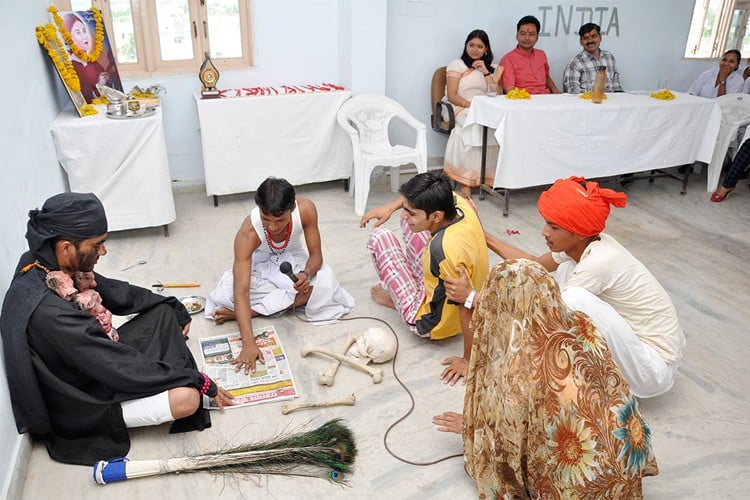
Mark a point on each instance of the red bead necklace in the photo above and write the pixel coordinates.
(277, 249)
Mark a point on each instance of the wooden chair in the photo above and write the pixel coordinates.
(437, 92)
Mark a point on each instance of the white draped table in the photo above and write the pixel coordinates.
(123, 162)
(549, 137)
(293, 136)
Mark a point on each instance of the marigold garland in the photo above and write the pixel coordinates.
(98, 37)
(47, 37)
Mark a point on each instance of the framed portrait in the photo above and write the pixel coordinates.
(83, 46)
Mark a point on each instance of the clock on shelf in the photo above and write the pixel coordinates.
(209, 76)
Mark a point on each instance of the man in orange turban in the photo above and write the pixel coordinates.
(599, 277)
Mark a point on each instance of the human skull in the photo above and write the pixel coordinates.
(374, 344)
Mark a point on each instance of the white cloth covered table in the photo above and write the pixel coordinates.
(549, 137)
(123, 162)
(293, 136)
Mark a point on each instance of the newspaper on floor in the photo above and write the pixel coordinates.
(271, 381)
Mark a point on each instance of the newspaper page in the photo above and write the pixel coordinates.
(271, 381)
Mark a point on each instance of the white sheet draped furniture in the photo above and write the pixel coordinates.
(293, 136)
(123, 162)
(549, 137)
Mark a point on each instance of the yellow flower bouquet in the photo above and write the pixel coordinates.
(517, 93)
(663, 94)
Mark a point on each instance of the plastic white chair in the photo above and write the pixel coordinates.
(735, 113)
(365, 118)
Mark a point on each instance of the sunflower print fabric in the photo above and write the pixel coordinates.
(547, 413)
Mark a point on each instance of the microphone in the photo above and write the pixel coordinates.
(286, 268)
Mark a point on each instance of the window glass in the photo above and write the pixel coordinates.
(173, 23)
(123, 37)
(224, 28)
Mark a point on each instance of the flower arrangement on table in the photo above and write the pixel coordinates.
(587, 95)
(517, 93)
(663, 94)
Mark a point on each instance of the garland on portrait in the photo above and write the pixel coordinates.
(48, 36)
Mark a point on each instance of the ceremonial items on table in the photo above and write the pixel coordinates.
(325, 452)
(209, 76)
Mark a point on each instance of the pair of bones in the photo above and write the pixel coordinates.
(374, 344)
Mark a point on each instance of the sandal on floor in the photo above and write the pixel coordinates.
(717, 198)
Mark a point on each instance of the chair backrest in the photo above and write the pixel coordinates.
(437, 92)
(370, 115)
(735, 109)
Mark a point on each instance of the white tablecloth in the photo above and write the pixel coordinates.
(295, 136)
(549, 137)
(124, 162)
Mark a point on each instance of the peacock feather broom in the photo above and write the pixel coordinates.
(327, 451)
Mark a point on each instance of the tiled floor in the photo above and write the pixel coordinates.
(701, 429)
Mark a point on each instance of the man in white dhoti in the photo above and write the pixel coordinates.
(599, 277)
(255, 286)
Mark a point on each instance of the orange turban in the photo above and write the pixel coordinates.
(578, 206)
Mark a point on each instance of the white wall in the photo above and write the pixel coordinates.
(30, 174)
(389, 46)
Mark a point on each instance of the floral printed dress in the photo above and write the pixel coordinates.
(547, 413)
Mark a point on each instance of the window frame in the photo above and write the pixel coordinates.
(147, 42)
(720, 36)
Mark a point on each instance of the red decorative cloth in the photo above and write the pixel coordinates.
(579, 206)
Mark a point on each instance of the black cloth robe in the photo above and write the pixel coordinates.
(67, 378)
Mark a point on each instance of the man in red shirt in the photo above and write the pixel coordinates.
(527, 67)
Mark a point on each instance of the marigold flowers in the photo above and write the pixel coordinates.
(664, 95)
(587, 95)
(47, 37)
(517, 93)
(88, 109)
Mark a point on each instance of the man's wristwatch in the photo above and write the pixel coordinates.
(470, 300)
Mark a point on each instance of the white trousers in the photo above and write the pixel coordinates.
(642, 366)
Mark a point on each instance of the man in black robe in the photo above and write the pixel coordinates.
(67, 378)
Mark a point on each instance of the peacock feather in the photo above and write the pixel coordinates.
(327, 452)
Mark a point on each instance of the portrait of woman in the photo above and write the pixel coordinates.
(81, 26)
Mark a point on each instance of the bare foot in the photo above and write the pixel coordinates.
(380, 296)
(222, 315)
(465, 192)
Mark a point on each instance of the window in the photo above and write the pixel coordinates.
(150, 36)
(717, 26)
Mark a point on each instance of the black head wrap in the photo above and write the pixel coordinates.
(74, 216)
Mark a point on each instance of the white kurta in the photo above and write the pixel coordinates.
(271, 291)
(630, 308)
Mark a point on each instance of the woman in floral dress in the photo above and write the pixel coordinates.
(547, 413)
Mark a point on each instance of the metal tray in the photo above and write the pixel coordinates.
(130, 115)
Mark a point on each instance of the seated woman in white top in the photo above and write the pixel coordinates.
(724, 80)
(468, 77)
